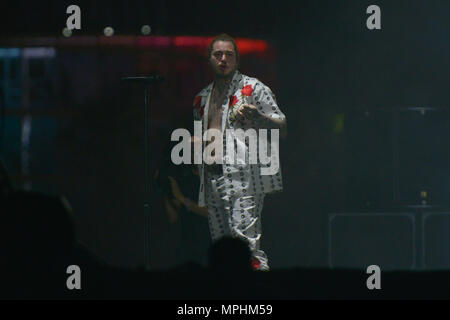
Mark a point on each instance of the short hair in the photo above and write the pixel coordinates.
(224, 37)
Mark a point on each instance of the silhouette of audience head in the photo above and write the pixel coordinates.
(230, 254)
(35, 229)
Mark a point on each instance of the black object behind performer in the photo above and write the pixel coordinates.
(146, 81)
(397, 157)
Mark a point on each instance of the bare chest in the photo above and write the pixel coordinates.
(215, 111)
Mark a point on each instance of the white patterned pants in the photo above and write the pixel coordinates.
(233, 212)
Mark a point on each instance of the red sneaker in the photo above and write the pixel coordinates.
(255, 263)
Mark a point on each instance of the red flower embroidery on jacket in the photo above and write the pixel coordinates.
(233, 100)
(247, 90)
(197, 101)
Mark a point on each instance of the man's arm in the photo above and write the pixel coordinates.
(190, 205)
(262, 109)
(275, 123)
(249, 111)
(202, 211)
(170, 210)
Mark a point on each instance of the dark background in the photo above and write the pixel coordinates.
(353, 145)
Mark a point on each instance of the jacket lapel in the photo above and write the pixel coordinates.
(234, 85)
(207, 94)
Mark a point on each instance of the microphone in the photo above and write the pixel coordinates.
(144, 80)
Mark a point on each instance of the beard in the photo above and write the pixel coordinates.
(223, 75)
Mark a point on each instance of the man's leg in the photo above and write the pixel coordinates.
(246, 225)
(217, 215)
(231, 212)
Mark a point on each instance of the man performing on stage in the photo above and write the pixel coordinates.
(234, 193)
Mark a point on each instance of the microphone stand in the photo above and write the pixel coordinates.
(146, 81)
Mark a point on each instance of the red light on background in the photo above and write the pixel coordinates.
(190, 41)
(181, 42)
(158, 41)
(245, 45)
(250, 45)
(117, 40)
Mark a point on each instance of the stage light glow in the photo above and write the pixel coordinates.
(186, 41)
(251, 45)
(108, 31)
(10, 52)
(154, 41)
(146, 29)
(193, 43)
(66, 32)
(39, 52)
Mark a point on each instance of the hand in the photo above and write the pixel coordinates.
(176, 203)
(246, 113)
(170, 210)
(176, 190)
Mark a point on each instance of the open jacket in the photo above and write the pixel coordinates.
(247, 90)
